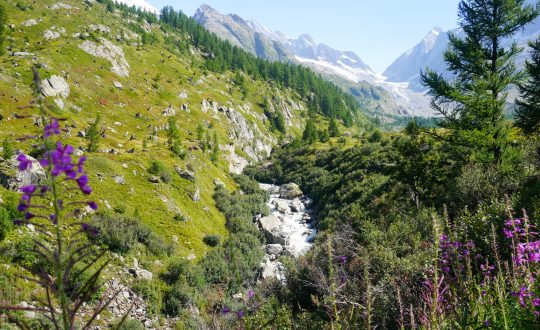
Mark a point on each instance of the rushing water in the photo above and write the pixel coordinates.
(292, 223)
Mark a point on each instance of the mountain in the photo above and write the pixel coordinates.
(239, 32)
(344, 68)
(427, 53)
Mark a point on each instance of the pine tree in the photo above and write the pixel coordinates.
(3, 22)
(528, 110)
(472, 104)
(333, 129)
(311, 134)
(214, 156)
(173, 133)
(93, 134)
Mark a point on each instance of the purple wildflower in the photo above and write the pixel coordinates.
(250, 294)
(92, 205)
(52, 129)
(225, 310)
(24, 162)
(240, 314)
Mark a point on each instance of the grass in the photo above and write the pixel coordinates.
(92, 90)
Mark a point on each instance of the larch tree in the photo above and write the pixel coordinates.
(472, 102)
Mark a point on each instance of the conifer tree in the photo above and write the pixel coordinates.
(310, 135)
(528, 111)
(93, 134)
(3, 22)
(333, 129)
(472, 104)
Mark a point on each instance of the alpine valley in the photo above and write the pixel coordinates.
(162, 171)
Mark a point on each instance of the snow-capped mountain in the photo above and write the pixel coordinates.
(240, 33)
(427, 53)
(274, 45)
(140, 4)
(345, 68)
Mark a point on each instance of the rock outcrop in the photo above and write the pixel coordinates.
(109, 51)
(13, 179)
(290, 191)
(55, 86)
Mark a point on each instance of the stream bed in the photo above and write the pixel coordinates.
(289, 229)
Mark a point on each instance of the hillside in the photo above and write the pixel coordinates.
(140, 76)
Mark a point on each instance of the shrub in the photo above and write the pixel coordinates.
(131, 324)
(121, 234)
(212, 240)
(5, 222)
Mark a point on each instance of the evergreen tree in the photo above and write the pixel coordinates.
(324, 136)
(200, 132)
(93, 134)
(173, 133)
(528, 111)
(214, 156)
(472, 104)
(3, 22)
(333, 129)
(311, 134)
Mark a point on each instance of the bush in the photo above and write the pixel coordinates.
(5, 222)
(131, 324)
(121, 234)
(159, 169)
(212, 240)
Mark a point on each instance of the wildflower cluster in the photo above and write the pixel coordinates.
(51, 205)
(63, 169)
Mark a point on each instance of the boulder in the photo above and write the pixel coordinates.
(282, 206)
(272, 228)
(118, 85)
(197, 195)
(51, 35)
(296, 205)
(168, 112)
(55, 86)
(153, 179)
(13, 179)
(185, 174)
(290, 191)
(275, 249)
(109, 51)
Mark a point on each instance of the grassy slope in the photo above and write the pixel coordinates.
(91, 83)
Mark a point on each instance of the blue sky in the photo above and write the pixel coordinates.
(377, 30)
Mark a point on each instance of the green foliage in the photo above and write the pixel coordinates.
(121, 234)
(5, 222)
(324, 136)
(152, 291)
(93, 134)
(472, 104)
(174, 139)
(214, 156)
(131, 324)
(158, 168)
(212, 240)
(333, 128)
(310, 135)
(3, 23)
(528, 111)
(7, 150)
(331, 100)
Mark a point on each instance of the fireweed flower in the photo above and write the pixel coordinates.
(24, 162)
(52, 129)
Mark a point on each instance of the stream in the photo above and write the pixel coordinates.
(289, 229)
